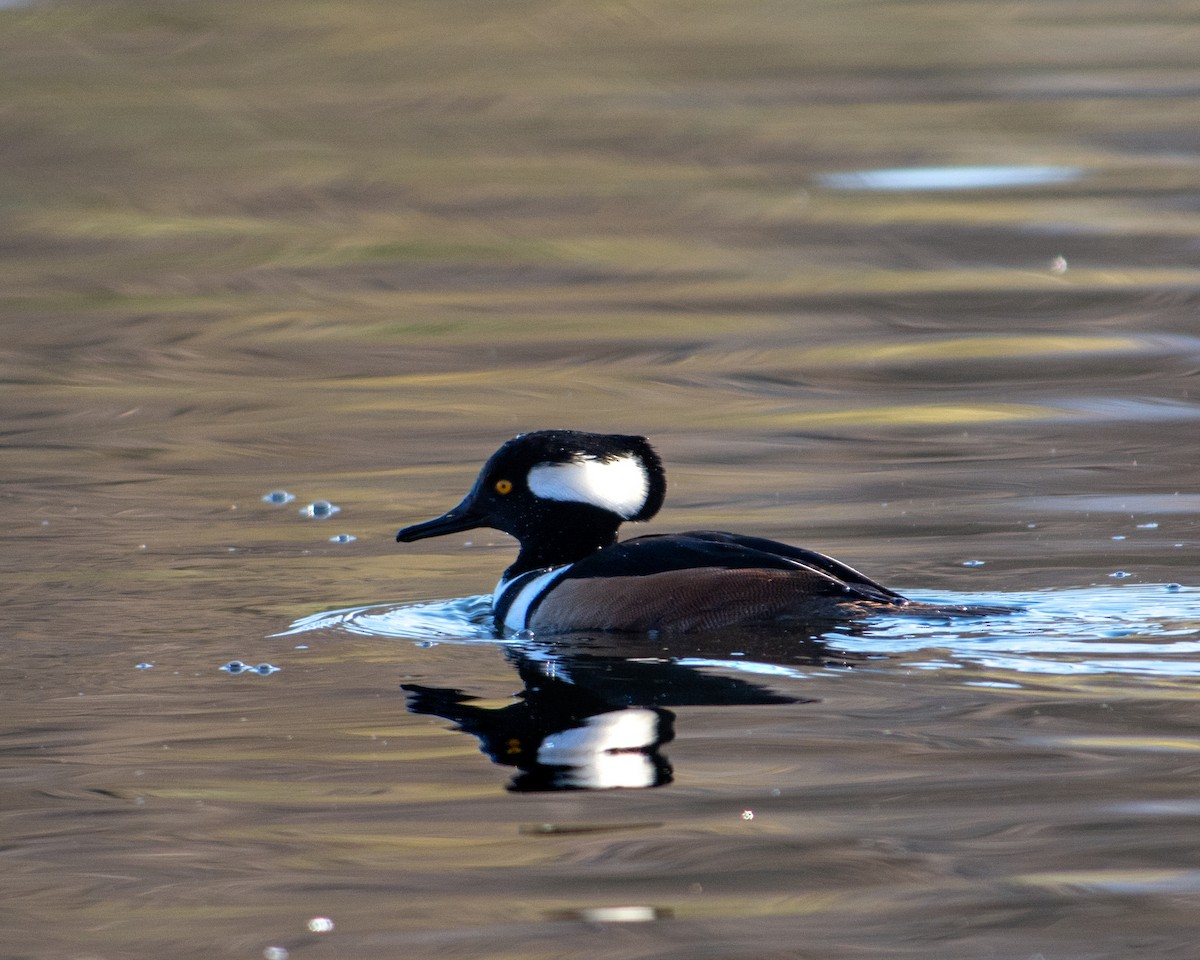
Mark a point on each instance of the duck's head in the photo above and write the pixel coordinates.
(561, 493)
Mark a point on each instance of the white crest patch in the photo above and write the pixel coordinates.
(619, 485)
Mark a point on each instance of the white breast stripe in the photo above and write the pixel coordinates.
(619, 485)
(518, 610)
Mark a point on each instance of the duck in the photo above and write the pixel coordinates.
(563, 494)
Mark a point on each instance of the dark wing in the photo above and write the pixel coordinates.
(643, 556)
(808, 558)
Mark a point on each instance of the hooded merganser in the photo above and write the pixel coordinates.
(564, 493)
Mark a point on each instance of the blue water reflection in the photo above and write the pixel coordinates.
(949, 178)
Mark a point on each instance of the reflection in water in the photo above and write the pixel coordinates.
(949, 178)
(590, 718)
(555, 743)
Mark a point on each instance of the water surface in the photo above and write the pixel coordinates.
(912, 285)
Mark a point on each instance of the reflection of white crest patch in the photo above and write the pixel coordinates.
(607, 750)
(619, 485)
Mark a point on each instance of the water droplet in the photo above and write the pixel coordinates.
(343, 538)
(319, 509)
(320, 924)
(275, 953)
(1119, 536)
(747, 814)
(278, 497)
(1058, 265)
(973, 563)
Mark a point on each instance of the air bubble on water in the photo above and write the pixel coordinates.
(1147, 526)
(275, 953)
(145, 666)
(1174, 587)
(973, 563)
(319, 509)
(239, 666)
(278, 497)
(1058, 265)
(426, 643)
(1120, 574)
(320, 924)
(343, 538)
(1119, 536)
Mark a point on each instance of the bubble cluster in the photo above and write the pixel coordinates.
(263, 669)
(317, 510)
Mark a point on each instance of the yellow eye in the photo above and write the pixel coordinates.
(503, 486)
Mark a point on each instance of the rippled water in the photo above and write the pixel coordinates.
(915, 286)
(1152, 629)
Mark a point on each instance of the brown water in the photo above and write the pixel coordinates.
(913, 284)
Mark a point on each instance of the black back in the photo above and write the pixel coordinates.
(709, 549)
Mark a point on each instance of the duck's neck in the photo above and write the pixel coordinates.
(570, 536)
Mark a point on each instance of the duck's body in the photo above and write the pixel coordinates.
(563, 494)
(684, 582)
